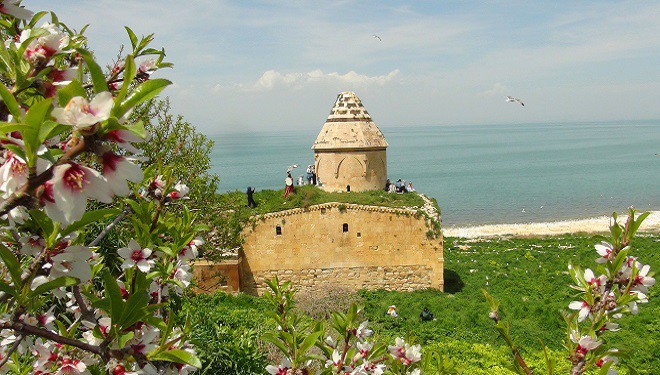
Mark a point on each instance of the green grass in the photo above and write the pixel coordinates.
(527, 275)
(305, 196)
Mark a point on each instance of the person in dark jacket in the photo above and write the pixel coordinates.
(251, 202)
(426, 315)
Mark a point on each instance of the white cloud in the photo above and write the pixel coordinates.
(273, 79)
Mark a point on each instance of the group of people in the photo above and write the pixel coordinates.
(399, 186)
(288, 181)
(426, 315)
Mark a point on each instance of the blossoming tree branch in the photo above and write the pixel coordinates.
(68, 164)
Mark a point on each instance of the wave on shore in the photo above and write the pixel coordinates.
(591, 225)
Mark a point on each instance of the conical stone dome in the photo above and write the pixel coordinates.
(350, 150)
(349, 126)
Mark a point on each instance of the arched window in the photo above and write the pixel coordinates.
(278, 230)
(345, 227)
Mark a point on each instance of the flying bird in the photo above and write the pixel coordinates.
(377, 37)
(291, 167)
(511, 99)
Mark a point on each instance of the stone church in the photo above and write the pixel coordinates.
(338, 244)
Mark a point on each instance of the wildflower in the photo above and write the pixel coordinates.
(82, 114)
(134, 255)
(583, 307)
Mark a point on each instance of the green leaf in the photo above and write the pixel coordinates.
(34, 119)
(98, 78)
(90, 217)
(45, 223)
(73, 89)
(178, 356)
(310, 341)
(10, 102)
(57, 283)
(4, 287)
(114, 294)
(131, 36)
(135, 308)
(129, 75)
(271, 338)
(12, 265)
(143, 92)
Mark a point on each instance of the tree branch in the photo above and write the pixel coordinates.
(107, 229)
(11, 350)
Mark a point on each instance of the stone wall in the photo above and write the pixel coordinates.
(342, 244)
(212, 276)
(360, 169)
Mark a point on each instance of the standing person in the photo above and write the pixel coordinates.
(387, 185)
(313, 168)
(251, 202)
(309, 174)
(288, 185)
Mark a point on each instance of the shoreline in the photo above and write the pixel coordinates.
(590, 225)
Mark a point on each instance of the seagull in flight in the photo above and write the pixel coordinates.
(291, 167)
(511, 99)
(376, 37)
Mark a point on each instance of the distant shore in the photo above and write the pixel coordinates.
(591, 225)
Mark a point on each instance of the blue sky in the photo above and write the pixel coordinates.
(255, 65)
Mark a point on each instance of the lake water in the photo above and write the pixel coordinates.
(483, 174)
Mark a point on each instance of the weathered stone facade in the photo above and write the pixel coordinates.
(343, 244)
(349, 152)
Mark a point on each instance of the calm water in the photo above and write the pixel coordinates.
(484, 173)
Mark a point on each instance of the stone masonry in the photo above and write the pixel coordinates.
(349, 245)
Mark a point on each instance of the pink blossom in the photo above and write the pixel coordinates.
(71, 366)
(73, 262)
(13, 174)
(32, 245)
(180, 191)
(585, 343)
(642, 281)
(606, 252)
(124, 138)
(82, 114)
(595, 282)
(134, 255)
(404, 352)
(583, 307)
(12, 8)
(44, 47)
(72, 184)
(362, 331)
(119, 169)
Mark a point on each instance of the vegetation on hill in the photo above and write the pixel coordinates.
(527, 275)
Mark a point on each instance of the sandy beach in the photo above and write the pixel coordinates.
(591, 225)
